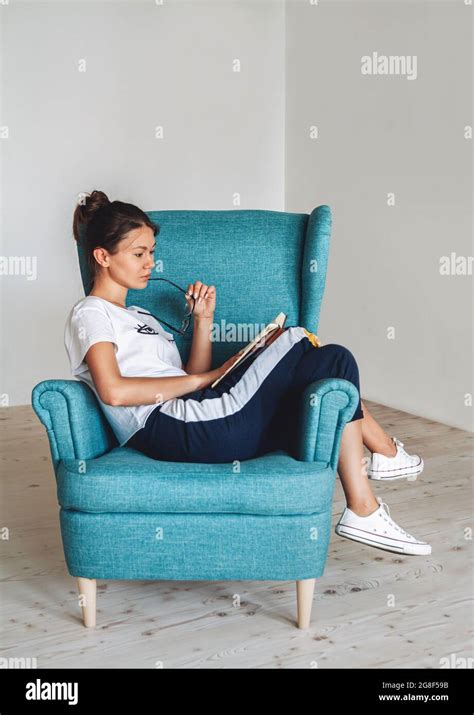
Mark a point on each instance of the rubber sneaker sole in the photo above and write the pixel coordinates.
(397, 473)
(405, 549)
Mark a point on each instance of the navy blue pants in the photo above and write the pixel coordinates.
(250, 412)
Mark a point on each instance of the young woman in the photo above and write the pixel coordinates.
(168, 410)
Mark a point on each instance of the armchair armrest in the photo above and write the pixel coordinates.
(324, 409)
(75, 424)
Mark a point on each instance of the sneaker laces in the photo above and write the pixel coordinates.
(389, 520)
(399, 446)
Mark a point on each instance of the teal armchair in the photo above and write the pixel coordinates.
(124, 515)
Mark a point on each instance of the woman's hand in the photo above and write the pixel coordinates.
(225, 366)
(205, 299)
(207, 378)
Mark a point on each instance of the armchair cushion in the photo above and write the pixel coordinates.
(125, 480)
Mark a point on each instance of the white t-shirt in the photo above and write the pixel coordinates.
(143, 348)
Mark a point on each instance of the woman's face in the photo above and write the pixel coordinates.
(131, 266)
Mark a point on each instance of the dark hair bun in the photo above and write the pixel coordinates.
(87, 207)
(95, 201)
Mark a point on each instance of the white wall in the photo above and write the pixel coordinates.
(381, 134)
(246, 133)
(148, 65)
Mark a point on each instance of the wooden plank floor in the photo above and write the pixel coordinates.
(371, 608)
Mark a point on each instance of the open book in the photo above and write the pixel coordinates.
(261, 341)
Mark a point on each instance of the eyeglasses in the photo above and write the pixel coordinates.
(187, 317)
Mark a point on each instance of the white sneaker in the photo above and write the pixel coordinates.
(379, 530)
(397, 467)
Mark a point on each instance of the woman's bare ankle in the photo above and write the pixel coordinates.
(364, 507)
(388, 449)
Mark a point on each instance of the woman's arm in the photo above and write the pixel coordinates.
(200, 356)
(115, 389)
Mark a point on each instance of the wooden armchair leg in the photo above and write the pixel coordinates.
(87, 588)
(304, 601)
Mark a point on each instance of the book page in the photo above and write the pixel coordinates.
(256, 343)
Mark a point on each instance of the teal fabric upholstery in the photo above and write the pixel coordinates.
(126, 516)
(272, 484)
